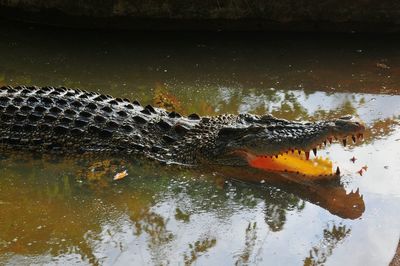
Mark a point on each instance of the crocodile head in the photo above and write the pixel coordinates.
(279, 145)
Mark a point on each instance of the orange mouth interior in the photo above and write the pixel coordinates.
(292, 162)
(298, 161)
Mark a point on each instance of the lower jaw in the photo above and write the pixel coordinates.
(292, 162)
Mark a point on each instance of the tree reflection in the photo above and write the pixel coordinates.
(277, 204)
(249, 244)
(197, 249)
(149, 222)
(332, 237)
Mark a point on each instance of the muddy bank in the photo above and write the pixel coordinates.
(396, 259)
(306, 15)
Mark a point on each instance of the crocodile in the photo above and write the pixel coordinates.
(73, 121)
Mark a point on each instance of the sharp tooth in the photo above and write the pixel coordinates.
(344, 142)
(330, 140)
(337, 171)
(315, 152)
(360, 136)
(307, 155)
(358, 191)
(325, 142)
(353, 138)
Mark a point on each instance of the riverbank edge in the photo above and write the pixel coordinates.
(57, 18)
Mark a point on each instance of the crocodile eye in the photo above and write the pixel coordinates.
(346, 117)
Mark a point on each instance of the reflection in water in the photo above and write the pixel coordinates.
(249, 244)
(181, 216)
(276, 207)
(146, 221)
(70, 211)
(330, 195)
(197, 249)
(44, 222)
(331, 238)
(56, 216)
(166, 100)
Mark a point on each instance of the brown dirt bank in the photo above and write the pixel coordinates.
(286, 15)
(396, 259)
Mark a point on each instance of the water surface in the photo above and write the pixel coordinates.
(52, 214)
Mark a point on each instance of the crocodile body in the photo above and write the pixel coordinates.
(66, 120)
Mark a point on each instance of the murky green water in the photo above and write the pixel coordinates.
(164, 215)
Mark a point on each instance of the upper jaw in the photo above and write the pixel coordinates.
(291, 158)
(265, 142)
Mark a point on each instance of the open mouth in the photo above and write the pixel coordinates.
(299, 161)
